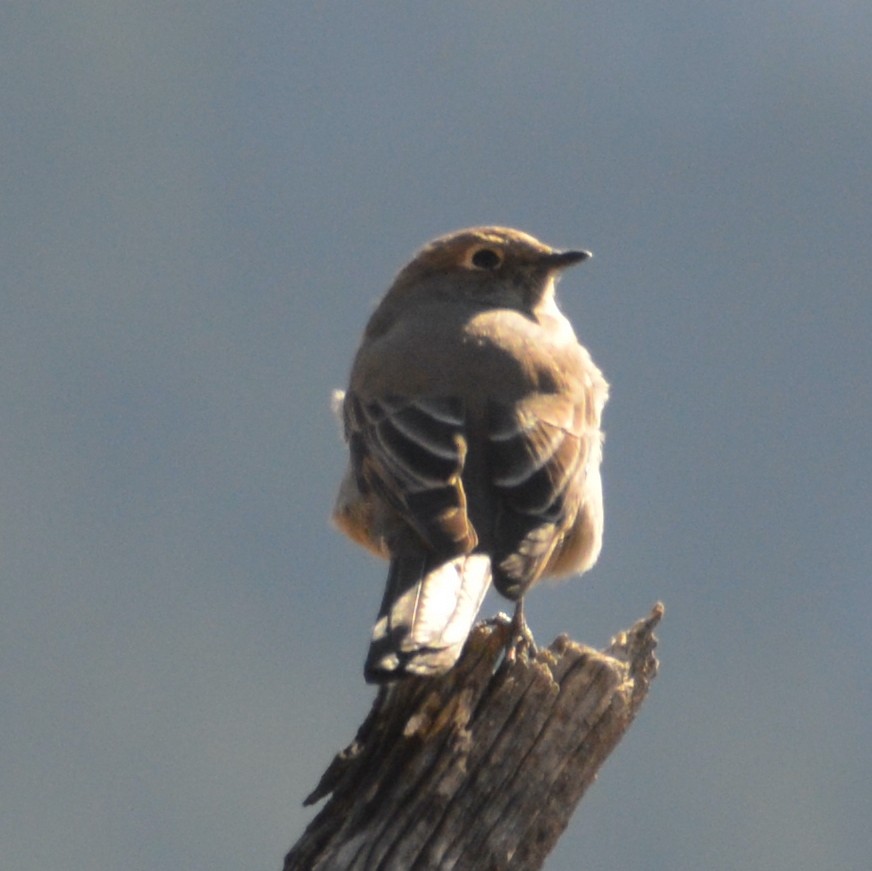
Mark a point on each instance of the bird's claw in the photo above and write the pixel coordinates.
(521, 638)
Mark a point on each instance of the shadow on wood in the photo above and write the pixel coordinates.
(482, 767)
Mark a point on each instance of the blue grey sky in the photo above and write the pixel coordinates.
(201, 204)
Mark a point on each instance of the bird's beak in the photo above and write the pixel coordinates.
(559, 260)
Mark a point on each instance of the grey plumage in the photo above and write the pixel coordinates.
(472, 419)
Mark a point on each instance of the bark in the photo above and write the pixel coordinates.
(483, 767)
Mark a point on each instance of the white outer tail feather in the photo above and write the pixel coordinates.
(425, 621)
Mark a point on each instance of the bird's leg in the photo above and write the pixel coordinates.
(521, 637)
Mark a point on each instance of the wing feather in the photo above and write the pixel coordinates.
(539, 453)
(412, 452)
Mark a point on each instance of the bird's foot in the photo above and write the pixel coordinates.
(521, 638)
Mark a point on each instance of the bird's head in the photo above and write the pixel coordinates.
(493, 266)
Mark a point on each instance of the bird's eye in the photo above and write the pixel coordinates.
(486, 258)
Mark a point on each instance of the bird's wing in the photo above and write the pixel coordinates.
(539, 452)
(411, 454)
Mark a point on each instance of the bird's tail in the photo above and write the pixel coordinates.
(426, 615)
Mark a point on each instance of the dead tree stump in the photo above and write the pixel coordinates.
(479, 769)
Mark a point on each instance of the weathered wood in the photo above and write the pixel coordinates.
(480, 768)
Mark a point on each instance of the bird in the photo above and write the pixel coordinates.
(472, 419)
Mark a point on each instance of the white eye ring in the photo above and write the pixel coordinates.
(485, 258)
